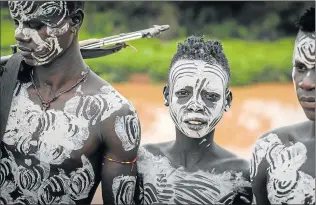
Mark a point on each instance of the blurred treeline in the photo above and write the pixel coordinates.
(257, 36)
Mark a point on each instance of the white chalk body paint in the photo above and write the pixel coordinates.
(127, 129)
(168, 185)
(123, 188)
(286, 183)
(50, 137)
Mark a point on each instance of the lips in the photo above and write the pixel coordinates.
(195, 123)
(24, 49)
(307, 102)
(195, 120)
(25, 52)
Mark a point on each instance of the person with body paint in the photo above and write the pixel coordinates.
(283, 160)
(193, 169)
(68, 129)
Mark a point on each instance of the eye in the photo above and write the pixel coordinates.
(212, 96)
(182, 93)
(300, 67)
(35, 25)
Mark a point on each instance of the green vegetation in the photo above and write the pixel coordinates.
(250, 61)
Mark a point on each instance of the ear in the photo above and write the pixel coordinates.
(228, 101)
(166, 95)
(77, 19)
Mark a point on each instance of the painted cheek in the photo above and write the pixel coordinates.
(36, 38)
(175, 109)
(293, 73)
(54, 32)
(182, 101)
(210, 105)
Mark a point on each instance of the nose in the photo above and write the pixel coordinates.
(195, 106)
(21, 34)
(308, 82)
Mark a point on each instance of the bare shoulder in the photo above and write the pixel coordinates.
(286, 133)
(115, 117)
(105, 94)
(230, 161)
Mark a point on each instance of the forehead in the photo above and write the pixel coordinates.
(302, 34)
(189, 72)
(27, 10)
(306, 41)
(304, 49)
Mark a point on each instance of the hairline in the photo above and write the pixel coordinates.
(185, 59)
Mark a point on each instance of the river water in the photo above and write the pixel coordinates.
(255, 110)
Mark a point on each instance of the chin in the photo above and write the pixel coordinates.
(30, 62)
(310, 115)
(194, 134)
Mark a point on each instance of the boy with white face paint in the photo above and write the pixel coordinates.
(67, 129)
(283, 160)
(193, 169)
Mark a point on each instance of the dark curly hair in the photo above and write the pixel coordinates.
(75, 5)
(195, 48)
(306, 23)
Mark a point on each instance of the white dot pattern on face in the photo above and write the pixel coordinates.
(22, 10)
(193, 73)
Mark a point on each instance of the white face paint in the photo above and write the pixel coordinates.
(304, 50)
(197, 96)
(304, 54)
(287, 184)
(123, 188)
(47, 41)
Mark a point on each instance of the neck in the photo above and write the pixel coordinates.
(184, 143)
(191, 151)
(313, 124)
(65, 69)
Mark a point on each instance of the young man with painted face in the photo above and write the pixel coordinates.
(193, 169)
(283, 160)
(67, 128)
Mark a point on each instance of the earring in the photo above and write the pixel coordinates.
(74, 31)
(166, 103)
(226, 108)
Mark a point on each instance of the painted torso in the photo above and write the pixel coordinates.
(54, 156)
(163, 183)
(289, 168)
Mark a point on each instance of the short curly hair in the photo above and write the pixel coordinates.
(306, 23)
(195, 48)
(75, 5)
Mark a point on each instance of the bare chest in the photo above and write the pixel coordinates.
(165, 184)
(50, 157)
(49, 136)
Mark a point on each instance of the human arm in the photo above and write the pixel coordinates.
(139, 192)
(121, 136)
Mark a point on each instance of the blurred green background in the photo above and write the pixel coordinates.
(257, 37)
